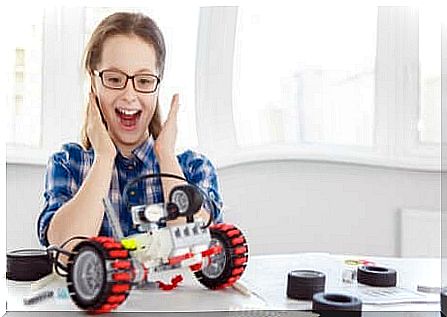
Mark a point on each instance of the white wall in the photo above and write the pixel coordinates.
(301, 206)
(283, 206)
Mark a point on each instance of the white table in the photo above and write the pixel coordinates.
(266, 276)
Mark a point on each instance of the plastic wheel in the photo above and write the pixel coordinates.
(226, 267)
(99, 275)
(336, 305)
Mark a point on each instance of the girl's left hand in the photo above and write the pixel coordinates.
(165, 143)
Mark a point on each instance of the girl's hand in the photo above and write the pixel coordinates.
(165, 144)
(97, 133)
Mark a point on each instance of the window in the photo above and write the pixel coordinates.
(24, 97)
(46, 108)
(339, 83)
(359, 84)
(305, 75)
(429, 126)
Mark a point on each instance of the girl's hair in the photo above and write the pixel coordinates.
(131, 24)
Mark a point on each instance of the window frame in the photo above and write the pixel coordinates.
(397, 98)
(59, 124)
(394, 146)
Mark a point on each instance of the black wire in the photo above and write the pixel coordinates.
(73, 238)
(213, 204)
(60, 250)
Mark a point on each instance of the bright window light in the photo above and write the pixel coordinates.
(305, 75)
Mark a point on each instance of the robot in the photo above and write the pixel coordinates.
(101, 271)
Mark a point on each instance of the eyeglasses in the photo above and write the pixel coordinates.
(115, 79)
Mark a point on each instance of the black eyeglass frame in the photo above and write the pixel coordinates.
(100, 75)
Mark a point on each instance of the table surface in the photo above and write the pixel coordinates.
(265, 276)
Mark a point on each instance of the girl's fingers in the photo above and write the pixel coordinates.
(172, 115)
(93, 108)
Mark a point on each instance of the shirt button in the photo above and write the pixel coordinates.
(130, 167)
(132, 193)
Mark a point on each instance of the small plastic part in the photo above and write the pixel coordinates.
(357, 262)
(336, 305)
(349, 275)
(62, 293)
(428, 289)
(37, 298)
(129, 244)
(377, 276)
(174, 283)
(303, 284)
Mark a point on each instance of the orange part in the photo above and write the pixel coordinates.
(177, 279)
(121, 265)
(237, 271)
(120, 288)
(240, 250)
(240, 261)
(105, 308)
(112, 245)
(103, 239)
(120, 277)
(180, 258)
(233, 233)
(165, 287)
(226, 227)
(115, 299)
(238, 240)
(213, 250)
(195, 267)
(118, 253)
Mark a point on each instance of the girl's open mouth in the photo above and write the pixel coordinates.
(128, 118)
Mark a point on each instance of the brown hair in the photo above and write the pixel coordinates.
(125, 23)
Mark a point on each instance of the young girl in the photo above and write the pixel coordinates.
(122, 138)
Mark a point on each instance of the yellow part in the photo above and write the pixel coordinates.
(129, 244)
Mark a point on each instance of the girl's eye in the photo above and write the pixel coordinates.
(114, 80)
(146, 81)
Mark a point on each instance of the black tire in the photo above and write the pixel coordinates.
(88, 279)
(226, 267)
(377, 276)
(336, 305)
(187, 198)
(443, 301)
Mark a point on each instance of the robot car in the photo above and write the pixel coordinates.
(101, 271)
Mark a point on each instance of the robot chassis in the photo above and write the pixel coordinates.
(101, 271)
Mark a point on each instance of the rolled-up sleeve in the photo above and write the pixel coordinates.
(59, 188)
(200, 171)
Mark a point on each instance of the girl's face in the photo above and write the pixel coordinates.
(127, 112)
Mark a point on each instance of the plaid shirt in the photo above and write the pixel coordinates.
(67, 169)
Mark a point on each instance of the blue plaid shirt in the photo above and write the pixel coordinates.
(67, 169)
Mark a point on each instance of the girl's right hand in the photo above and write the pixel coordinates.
(97, 133)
